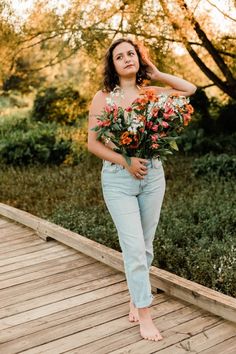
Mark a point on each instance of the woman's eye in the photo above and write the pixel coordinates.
(131, 53)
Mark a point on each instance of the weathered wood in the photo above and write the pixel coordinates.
(172, 284)
(171, 314)
(86, 273)
(210, 337)
(62, 317)
(62, 301)
(43, 273)
(62, 305)
(90, 322)
(228, 346)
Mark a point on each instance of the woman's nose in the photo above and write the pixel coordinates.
(127, 59)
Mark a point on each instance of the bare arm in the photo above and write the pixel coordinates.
(99, 149)
(175, 83)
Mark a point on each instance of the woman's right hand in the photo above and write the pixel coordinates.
(137, 167)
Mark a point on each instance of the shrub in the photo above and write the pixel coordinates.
(196, 141)
(196, 234)
(61, 105)
(37, 145)
(221, 165)
(23, 141)
(92, 222)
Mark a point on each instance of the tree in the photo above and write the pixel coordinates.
(92, 25)
(179, 23)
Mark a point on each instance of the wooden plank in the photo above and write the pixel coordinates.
(43, 273)
(92, 334)
(228, 346)
(15, 234)
(111, 313)
(172, 284)
(65, 316)
(32, 265)
(172, 312)
(8, 229)
(67, 293)
(29, 252)
(171, 336)
(61, 305)
(204, 340)
(18, 244)
(50, 279)
(87, 273)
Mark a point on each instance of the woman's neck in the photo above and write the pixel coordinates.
(128, 84)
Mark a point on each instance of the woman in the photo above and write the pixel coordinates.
(133, 192)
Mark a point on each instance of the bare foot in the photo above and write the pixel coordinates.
(133, 312)
(148, 329)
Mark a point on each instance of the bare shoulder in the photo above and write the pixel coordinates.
(98, 102)
(99, 97)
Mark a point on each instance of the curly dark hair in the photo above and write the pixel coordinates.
(111, 79)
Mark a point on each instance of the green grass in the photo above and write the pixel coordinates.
(195, 237)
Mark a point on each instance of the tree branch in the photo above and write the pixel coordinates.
(206, 42)
(222, 12)
(228, 86)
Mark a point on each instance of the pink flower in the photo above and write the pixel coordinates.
(154, 137)
(155, 127)
(165, 124)
(105, 123)
(168, 112)
(108, 108)
(115, 112)
(149, 125)
(128, 109)
(155, 146)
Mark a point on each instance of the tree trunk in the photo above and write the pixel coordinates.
(229, 85)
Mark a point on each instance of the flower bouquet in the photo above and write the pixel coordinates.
(148, 128)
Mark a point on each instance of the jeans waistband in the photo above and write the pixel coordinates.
(153, 162)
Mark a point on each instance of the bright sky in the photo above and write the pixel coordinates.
(22, 7)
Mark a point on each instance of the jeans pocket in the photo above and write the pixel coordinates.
(111, 167)
(156, 163)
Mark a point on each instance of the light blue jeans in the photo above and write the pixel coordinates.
(135, 207)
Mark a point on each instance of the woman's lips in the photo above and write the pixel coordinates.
(129, 66)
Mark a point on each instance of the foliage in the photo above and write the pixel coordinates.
(100, 227)
(23, 79)
(38, 145)
(219, 165)
(52, 36)
(24, 142)
(195, 141)
(62, 105)
(196, 234)
(195, 237)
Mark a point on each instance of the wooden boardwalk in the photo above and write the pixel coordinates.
(55, 299)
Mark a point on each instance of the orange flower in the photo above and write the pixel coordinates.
(125, 139)
(190, 108)
(151, 94)
(142, 118)
(187, 119)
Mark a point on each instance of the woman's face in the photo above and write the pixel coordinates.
(125, 60)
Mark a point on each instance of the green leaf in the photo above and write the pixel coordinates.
(174, 145)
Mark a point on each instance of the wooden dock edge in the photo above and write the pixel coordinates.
(173, 285)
